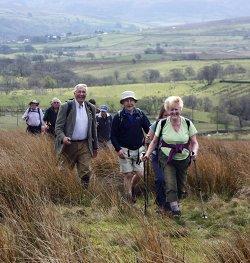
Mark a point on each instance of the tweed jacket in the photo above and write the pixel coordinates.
(65, 125)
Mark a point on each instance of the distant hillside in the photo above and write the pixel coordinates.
(14, 24)
(41, 17)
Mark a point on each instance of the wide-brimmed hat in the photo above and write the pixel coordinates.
(128, 94)
(104, 108)
(34, 102)
(55, 100)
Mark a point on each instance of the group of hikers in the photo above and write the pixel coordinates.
(80, 128)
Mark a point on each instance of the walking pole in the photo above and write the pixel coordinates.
(204, 215)
(145, 185)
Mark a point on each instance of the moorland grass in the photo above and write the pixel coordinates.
(47, 217)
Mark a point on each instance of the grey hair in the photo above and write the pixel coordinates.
(170, 101)
(78, 86)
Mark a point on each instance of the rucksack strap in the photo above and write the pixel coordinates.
(163, 122)
(70, 106)
(40, 117)
(187, 122)
(139, 111)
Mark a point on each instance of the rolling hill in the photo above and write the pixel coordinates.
(42, 17)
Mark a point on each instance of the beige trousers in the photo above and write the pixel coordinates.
(78, 153)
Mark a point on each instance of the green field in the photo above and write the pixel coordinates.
(164, 67)
(110, 95)
(220, 42)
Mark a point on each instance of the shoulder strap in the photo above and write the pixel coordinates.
(140, 112)
(120, 117)
(70, 105)
(89, 106)
(187, 122)
(39, 112)
(163, 122)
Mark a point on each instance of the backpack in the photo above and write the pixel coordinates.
(121, 117)
(29, 110)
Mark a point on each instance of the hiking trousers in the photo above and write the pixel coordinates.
(175, 174)
(78, 153)
(34, 129)
(160, 185)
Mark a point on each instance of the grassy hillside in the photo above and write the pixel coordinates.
(107, 68)
(111, 94)
(122, 58)
(60, 16)
(41, 22)
(46, 215)
(211, 40)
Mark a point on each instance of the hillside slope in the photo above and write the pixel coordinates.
(22, 17)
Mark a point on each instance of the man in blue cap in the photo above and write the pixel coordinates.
(104, 122)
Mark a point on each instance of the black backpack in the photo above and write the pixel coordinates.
(139, 111)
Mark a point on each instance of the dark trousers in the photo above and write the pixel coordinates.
(160, 184)
(34, 129)
(175, 177)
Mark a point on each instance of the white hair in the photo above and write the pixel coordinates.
(80, 86)
(55, 100)
(173, 100)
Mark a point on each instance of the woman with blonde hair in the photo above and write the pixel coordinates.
(178, 144)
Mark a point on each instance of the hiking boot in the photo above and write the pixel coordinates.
(85, 182)
(167, 207)
(133, 197)
(176, 214)
(129, 199)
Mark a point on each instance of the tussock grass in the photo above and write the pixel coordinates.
(29, 165)
(232, 250)
(48, 217)
(222, 167)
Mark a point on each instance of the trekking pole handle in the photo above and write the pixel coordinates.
(143, 158)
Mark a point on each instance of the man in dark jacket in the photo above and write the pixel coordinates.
(104, 122)
(50, 116)
(127, 137)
